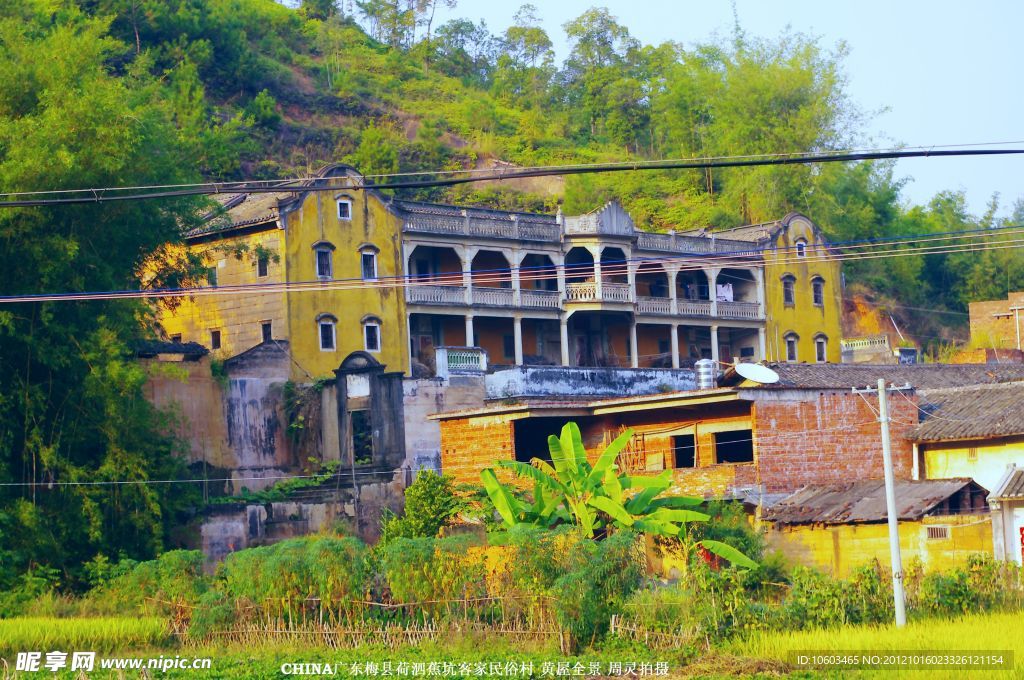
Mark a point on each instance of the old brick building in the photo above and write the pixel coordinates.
(996, 324)
(744, 440)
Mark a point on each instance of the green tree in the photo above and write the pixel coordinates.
(430, 503)
(377, 153)
(72, 410)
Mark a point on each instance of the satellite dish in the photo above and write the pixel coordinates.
(757, 373)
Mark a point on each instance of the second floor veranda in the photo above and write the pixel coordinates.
(591, 276)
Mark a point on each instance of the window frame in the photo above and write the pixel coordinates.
(795, 339)
(262, 267)
(266, 330)
(338, 202)
(328, 250)
(215, 339)
(372, 323)
(821, 343)
(818, 291)
(789, 286)
(322, 321)
(801, 247)
(372, 254)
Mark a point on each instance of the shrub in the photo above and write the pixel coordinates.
(166, 584)
(429, 573)
(430, 502)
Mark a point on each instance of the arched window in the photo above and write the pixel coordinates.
(371, 333)
(821, 348)
(818, 290)
(792, 341)
(801, 247)
(789, 289)
(326, 328)
(323, 259)
(368, 261)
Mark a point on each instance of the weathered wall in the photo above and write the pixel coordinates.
(830, 437)
(237, 317)
(231, 528)
(841, 549)
(988, 356)
(558, 381)
(371, 224)
(803, 318)
(468, 445)
(426, 397)
(983, 461)
(989, 330)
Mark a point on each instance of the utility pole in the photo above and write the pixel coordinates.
(899, 598)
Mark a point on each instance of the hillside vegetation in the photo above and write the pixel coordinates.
(99, 93)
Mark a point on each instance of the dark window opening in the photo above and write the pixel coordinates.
(176, 337)
(344, 210)
(684, 451)
(211, 276)
(323, 263)
(214, 339)
(326, 335)
(818, 291)
(372, 337)
(791, 348)
(531, 437)
(789, 290)
(746, 352)
(266, 331)
(663, 347)
(369, 261)
(734, 447)
(362, 438)
(262, 266)
(508, 346)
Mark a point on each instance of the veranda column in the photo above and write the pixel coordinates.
(517, 334)
(469, 331)
(675, 345)
(714, 345)
(634, 357)
(563, 327)
(761, 343)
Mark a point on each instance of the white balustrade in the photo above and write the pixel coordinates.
(739, 310)
(694, 307)
(653, 305)
(616, 292)
(540, 299)
(492, 297)
(459, 360)
(437, 295)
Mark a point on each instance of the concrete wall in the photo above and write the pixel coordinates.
(841, 549)
(434, 395)
(557, 381)
(230, 528)
(984, 461)
(803, 318)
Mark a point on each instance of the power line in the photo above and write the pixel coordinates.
(323, 184)
(881, 248)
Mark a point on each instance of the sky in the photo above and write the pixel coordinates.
(928, 73)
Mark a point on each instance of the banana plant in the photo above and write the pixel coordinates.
(594, 497)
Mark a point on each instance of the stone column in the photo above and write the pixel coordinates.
(712, 274)
(673, 273)
(714, 345)
(517, 259)
(675, 345)
(517, 335)
(761, 343)
(469, 331)
(595, 252)
(563, 327)
(467, 273)
(633, 355)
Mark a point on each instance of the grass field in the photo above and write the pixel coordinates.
(764, 655)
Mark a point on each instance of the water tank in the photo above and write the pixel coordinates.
(705, 374)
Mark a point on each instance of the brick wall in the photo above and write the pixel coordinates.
(468, 445)
(990, 331)
(832, 438)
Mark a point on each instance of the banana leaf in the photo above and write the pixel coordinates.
(735, 557)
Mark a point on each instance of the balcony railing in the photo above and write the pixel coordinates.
(739, 310)
(487, 227)
(586, 291)
(540, 299)
(653, 305)
(694, 307)
(692, 244)
(459, 360)
(493, 297)
(436, 295)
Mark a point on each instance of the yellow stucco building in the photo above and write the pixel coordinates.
(803, 289)
(334, 247)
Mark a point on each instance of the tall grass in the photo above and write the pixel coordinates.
(975, 632)
(101, 634)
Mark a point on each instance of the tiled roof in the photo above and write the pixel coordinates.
(1012, 486)
(920, 376)
(422, 208)
(971, 412)
(239, 210)
(864, 501)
